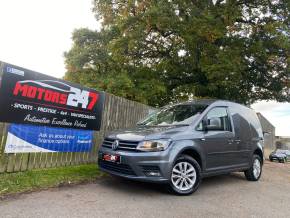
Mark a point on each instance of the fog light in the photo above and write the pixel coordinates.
(152, 173)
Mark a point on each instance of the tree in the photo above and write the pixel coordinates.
(158, 52)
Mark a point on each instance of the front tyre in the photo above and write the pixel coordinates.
(185, 176)
(254, 173)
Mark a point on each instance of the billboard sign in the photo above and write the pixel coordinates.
(29, 97)
(28, 139)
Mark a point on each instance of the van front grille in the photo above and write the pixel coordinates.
(123, 144)
(116, 167)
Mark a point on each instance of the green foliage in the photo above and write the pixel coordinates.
(158, 52)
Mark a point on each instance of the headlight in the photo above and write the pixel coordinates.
(153, 145)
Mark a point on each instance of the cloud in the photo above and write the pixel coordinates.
(277, 113)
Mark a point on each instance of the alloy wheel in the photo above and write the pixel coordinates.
(256, 168)
(183, 176)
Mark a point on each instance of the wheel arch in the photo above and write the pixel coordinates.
(259, 152)
(192, 153)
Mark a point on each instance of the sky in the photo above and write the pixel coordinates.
(35, 34)
(277, 113)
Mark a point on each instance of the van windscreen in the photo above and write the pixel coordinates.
(182, 114)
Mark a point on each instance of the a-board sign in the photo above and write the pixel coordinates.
(33, 98)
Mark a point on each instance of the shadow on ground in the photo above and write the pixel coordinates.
(139, 188)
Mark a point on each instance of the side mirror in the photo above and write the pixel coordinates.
(215, 125)
(213, 128)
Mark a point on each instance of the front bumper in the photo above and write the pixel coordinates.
(276, 158)
(138, 165)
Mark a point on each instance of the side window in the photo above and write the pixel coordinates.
(217, 119)
(200, 127)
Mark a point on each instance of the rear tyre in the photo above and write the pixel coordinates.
(185, 176)
(282, 160)
(254, 173)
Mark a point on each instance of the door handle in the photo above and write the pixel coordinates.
(238, 141)
(230, 141)
(202, 139)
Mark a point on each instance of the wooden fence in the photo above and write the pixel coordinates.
(118, 113)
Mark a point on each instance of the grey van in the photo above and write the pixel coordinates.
(183, 143)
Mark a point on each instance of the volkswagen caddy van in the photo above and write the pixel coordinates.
(183, 143)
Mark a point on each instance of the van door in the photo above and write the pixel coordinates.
(242, 139)
(218, 142)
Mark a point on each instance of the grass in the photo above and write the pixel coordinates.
(13, 183)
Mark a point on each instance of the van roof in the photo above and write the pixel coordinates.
(211, 101)
(199, 101)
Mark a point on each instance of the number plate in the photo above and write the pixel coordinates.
(112, 158)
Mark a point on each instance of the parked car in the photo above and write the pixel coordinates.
(183, 143)
(280, 155)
